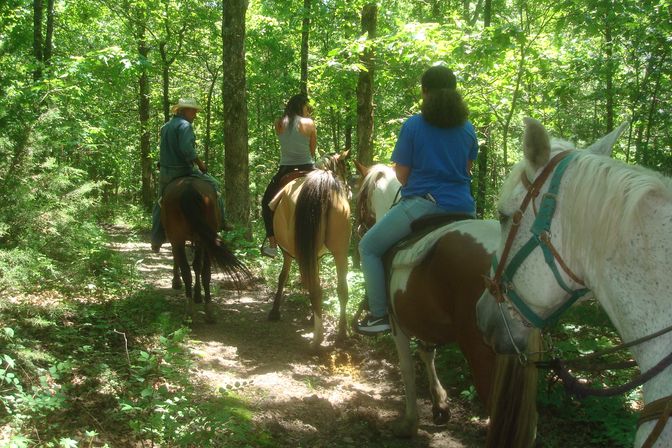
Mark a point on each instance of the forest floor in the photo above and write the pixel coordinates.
(345, 397)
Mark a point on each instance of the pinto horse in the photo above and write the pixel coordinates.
(434, 286)
(312, 216)
(189, 212)
(575, 223)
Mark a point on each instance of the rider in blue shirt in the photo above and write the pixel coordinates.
(433, 158)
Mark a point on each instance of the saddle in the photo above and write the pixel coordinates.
(287, 178)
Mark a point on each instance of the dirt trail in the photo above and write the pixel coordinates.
(339, 398)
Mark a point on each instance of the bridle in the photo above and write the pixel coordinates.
(501, 284)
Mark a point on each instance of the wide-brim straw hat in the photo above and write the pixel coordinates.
(185, 103)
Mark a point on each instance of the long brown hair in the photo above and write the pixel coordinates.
(442, 105)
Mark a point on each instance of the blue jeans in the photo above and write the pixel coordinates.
(395, 225)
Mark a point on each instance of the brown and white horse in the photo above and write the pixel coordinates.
(434, 286)
(312, 217)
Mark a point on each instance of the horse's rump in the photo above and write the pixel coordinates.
(186, 197)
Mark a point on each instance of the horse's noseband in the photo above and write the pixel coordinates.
(501, 284)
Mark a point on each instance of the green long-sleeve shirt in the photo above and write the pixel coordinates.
(177, 150)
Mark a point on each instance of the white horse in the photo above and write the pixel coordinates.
(608, 232)
(434, 286)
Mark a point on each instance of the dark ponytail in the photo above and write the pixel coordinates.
(293, 108)
(442, 105)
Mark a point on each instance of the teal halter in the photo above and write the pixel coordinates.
(501, 286)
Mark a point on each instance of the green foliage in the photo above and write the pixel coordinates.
(586, 329)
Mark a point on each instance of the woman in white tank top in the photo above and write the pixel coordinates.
(297, 134)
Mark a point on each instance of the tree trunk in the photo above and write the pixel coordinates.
(609, 50)
(37, 39)
(436, 10)
(514, 100)
(143, 108)
(165, 82)
(49, 39)
(348, 136)
(481, 192)
(236, 156)
(208, 119)
(305, 34)
(365, 89)
(487, 13)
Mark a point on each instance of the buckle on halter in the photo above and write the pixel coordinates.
(517, 217)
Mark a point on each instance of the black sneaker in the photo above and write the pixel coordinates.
(372, 326)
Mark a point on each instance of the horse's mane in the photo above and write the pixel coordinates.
(375, 172)
(602, 201)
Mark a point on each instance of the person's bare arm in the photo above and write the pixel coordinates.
(402, 171)
(313, 140)
(201, 165)
(470, 166)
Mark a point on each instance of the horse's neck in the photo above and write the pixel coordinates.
(635, 289)
(383, 196)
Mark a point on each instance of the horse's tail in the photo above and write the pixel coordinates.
(513, 400)
(193, 208)
(312, 205)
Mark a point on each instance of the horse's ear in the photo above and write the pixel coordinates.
(605, 145)
(536, 143)
(361, 169)
(344, 155)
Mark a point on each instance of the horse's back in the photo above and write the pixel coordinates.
(184, 196)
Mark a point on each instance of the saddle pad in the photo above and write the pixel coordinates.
(413, 254)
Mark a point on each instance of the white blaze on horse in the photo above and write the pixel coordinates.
(434, 285)
(576, 223)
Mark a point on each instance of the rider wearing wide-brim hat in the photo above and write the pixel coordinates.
(178, 158)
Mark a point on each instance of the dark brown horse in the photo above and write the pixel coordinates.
(434, 285)
(311, 217)
(189, 212)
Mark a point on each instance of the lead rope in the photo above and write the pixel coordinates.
(660, 424)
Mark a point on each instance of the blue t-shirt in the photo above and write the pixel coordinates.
(438, 159)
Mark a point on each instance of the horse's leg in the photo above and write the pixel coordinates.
(197, 264)
(177, 282)
(274, 315)
(207, 275)
(408, 424)
(180, 257)
(440, 410)
(341, 261)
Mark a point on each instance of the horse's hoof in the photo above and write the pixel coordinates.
(210, 319)
(440, 416)
(177, 285)
(198, 298)
(405, 429)
(274, 316)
